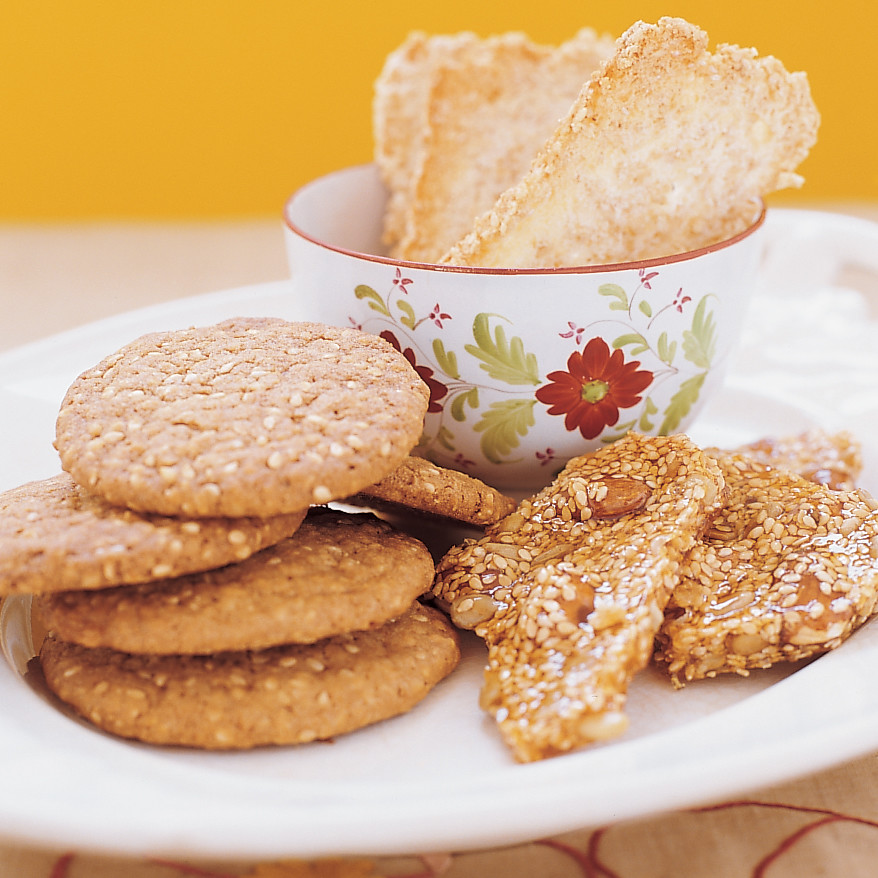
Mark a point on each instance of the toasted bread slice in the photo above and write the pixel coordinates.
(667, 149)
(490, 108)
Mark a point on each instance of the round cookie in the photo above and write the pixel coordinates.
(339, 572)
(54, 536)
(422, 486)
(238, 700)
(252, 416)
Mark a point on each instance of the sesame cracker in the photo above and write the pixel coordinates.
(421, 486)
(339, 572)
(54, 536)
(239, 700)
(247, 417)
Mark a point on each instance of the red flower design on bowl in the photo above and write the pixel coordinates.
(437, 389)
(596, 385)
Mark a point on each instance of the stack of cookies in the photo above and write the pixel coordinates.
(195, 588)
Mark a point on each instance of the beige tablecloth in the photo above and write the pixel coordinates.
(826, 824)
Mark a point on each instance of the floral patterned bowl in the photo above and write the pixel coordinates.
(526, 368)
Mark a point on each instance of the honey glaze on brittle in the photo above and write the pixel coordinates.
(787, 571)
(569, 591)
(831, 459)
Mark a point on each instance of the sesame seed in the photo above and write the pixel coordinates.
(322, 494)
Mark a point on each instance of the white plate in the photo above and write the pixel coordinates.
(439, 778)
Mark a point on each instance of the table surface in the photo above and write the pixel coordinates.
(55, 277)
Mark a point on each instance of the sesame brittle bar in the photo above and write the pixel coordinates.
(787, 571)
(831, 459)
(569, 590)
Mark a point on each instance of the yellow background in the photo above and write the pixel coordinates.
(217, 108)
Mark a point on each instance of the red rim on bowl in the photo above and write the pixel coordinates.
(467, 269)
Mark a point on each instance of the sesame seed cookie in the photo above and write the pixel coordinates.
(421, 486)
(252, 416)
(238, 700)
(569, 590)
(787, 570)
(55, 536)
(339, 572)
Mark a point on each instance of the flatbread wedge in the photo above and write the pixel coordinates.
(399, 109)
(490, 107)
(668, 148)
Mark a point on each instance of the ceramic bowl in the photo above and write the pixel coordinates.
(526, 368)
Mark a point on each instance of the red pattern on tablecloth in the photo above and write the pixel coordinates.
(586, 859)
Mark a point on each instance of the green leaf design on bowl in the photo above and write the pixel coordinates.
(699, 342)
(681, 403)
(503, 359)
(373, 300)
(502, 424)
